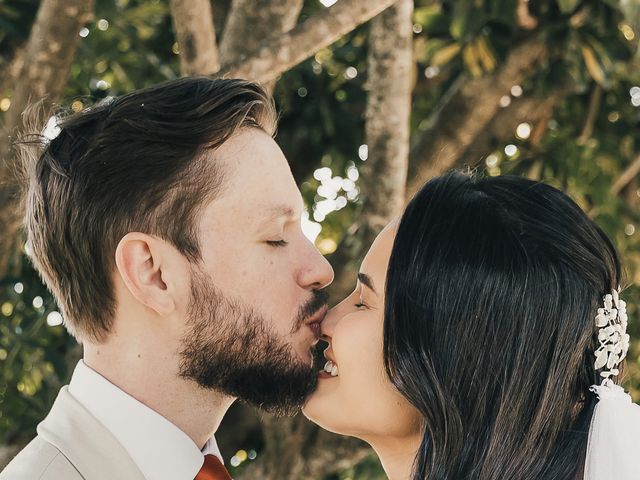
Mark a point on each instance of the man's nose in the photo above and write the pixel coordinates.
(317, 273)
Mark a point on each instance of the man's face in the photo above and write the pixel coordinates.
(256, 299)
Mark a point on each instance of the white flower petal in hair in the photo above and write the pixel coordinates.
(613, 338)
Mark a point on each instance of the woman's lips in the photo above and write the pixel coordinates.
(330, 370)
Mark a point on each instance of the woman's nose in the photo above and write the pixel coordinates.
(329, 323)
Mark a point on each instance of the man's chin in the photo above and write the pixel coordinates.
(273, 389)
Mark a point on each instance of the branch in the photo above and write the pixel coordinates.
(626, 177)
(284, 52)
(524, 19)
(500, 129)
(48, 54)
(594, 108)
(195, 33)
(464, 117)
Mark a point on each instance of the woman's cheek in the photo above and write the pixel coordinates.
(357, 346)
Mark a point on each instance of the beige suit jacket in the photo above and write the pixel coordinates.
(72, 445)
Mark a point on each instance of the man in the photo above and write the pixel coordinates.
(166, 223)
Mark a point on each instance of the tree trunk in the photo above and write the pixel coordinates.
(284, 52)
(253, 22)
(390, 61)
(220, 15)
(194, 30)
(9, 74)
(297, 449)
(384, 173)
(7, 452)
(47, 58)
(467, 114)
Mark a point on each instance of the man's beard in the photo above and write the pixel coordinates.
(230, 347)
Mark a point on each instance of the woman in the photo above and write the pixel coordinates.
(468, 348)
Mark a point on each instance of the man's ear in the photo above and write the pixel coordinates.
(140, 263)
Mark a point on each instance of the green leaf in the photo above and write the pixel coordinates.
(568, 6)
(445, 54)
(458, 26)
(432, 19)
(464, 15)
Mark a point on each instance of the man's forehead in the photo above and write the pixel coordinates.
(250, 218)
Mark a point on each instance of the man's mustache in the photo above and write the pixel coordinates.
(319, 300)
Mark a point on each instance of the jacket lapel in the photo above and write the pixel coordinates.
(88, 445)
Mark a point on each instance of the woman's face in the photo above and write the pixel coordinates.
(358, 399)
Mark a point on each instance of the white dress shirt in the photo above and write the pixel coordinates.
(160, 449)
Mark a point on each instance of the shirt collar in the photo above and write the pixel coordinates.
(160, 449)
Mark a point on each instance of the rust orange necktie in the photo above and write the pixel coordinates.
(212, 469)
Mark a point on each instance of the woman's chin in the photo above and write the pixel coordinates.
(323, 422)
(310, 407)
(318, 409)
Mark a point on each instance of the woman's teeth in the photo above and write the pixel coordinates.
(331, 368)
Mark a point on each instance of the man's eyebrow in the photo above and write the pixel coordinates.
(366, 280)
(279, 211)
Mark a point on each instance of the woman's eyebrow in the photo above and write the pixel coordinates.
(366, 281)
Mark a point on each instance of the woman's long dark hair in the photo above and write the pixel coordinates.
(492, 290)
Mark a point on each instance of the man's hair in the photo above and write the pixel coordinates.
(134, 163)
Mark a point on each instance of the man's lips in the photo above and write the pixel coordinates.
(315, 322)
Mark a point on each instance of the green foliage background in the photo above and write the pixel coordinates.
(593, 45)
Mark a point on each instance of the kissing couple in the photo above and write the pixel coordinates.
(484, 338)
